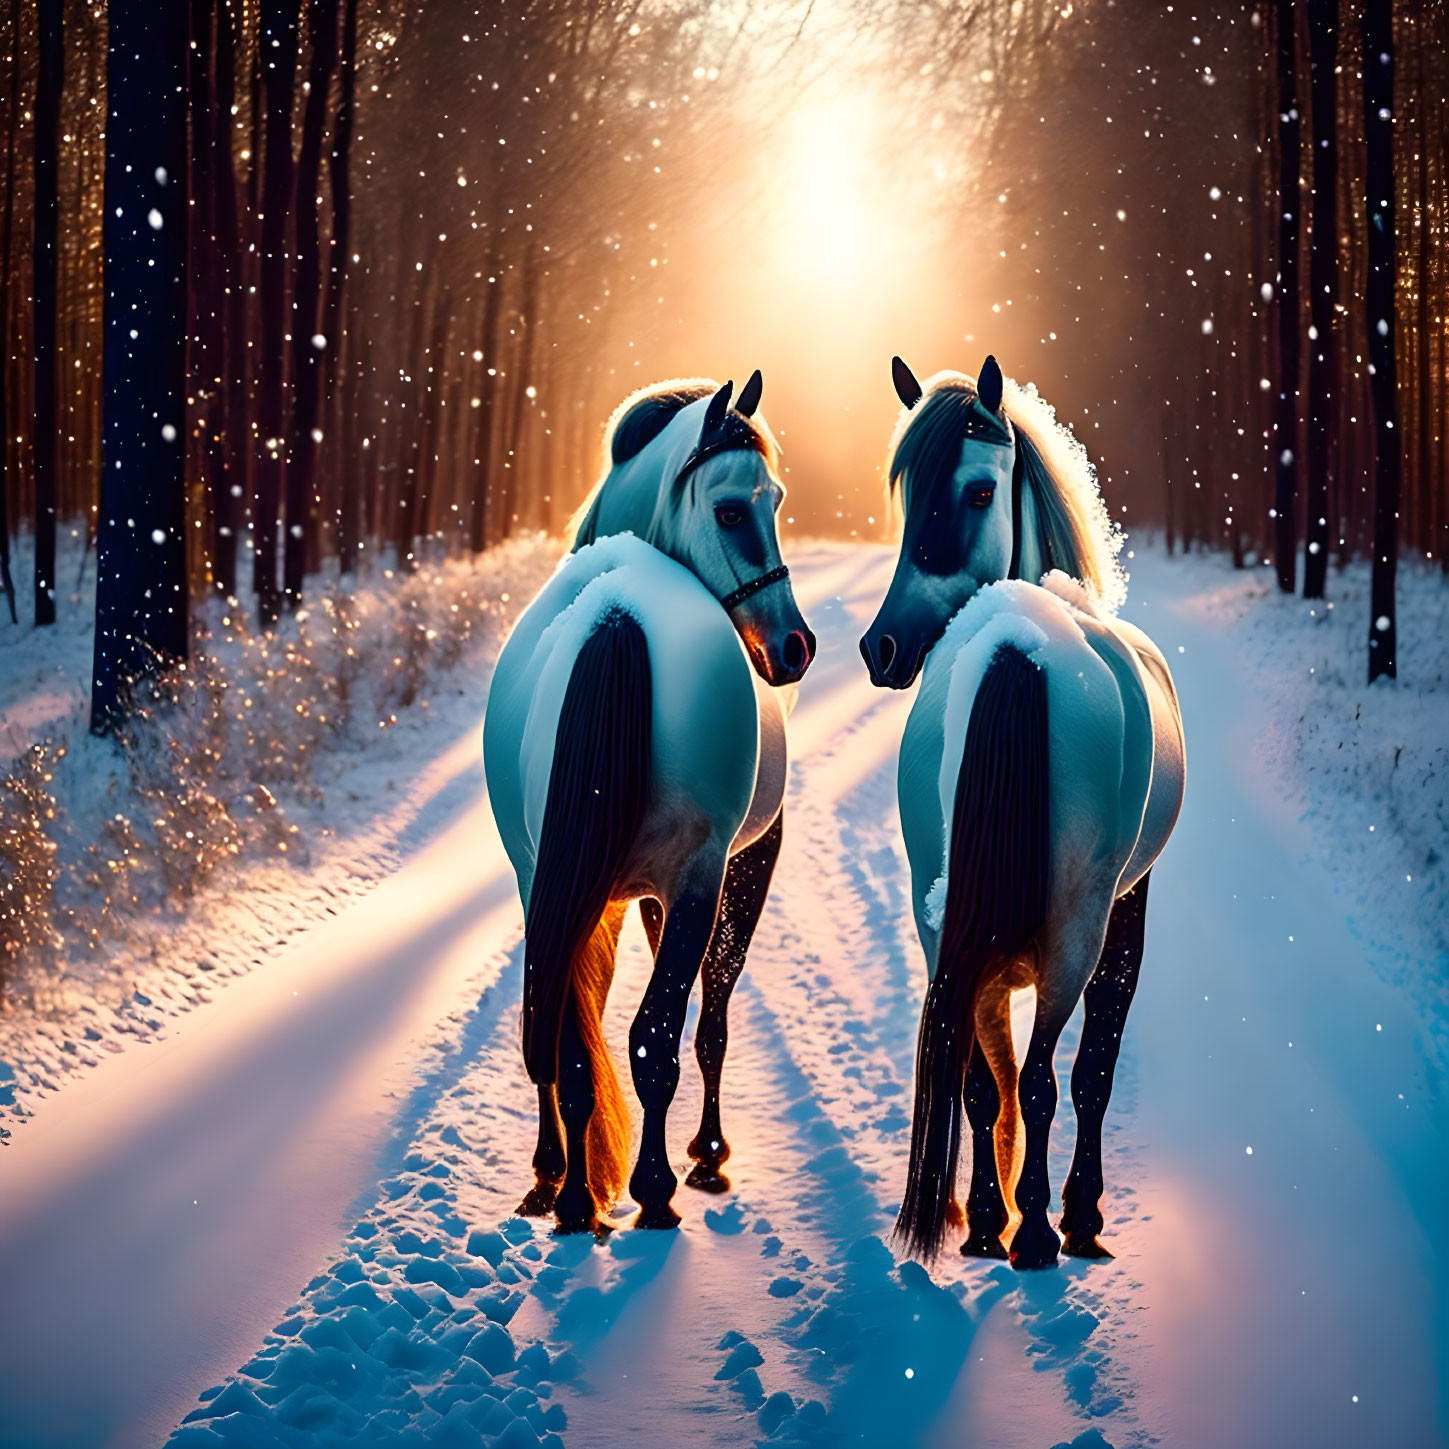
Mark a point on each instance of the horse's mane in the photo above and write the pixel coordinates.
(1070, 514)
(641, 417)
(636, 423)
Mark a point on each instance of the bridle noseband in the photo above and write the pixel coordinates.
(749, 590)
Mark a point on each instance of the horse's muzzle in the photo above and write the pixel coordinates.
(788, 663)
(890, 666)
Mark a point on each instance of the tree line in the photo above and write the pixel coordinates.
(368, 250)
(1328, 343)
(374, 287)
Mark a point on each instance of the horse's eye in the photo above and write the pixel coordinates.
(980, 497)
(729, 515)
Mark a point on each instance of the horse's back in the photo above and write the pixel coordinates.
(1169, 753)
(704, 727)
(1099, 725)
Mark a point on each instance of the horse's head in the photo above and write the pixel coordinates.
(953, 460)
(722, 504)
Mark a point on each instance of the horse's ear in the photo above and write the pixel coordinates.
(988, 386)
(714, 414)
(907, 388)
(750, 395)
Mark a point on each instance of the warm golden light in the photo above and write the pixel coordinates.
(826, 216)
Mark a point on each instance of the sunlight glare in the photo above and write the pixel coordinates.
(827, 219)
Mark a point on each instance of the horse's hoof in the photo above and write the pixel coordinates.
(1034, 1246)
(583, 1223)
(706, 1176)
(712, 1151)
(659, 1216)
(538, 1201)
(983, 1245)
(1085, 1245)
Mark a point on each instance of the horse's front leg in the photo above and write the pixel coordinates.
(655, 1035)
(1108, 996)
(747, 883)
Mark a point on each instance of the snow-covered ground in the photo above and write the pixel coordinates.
(315, 789)
(1364, 771)
(289, 1222)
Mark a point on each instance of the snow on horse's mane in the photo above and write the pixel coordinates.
(1070, 508)
(1075, 478)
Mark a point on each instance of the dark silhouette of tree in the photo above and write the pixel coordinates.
(1376, 27)
(1285, 495)
(141, 579)
(279, 40)
(307, 364)
(231, 474)
(12, 125)
(342, 349)
(1323, 291)
(50, 77)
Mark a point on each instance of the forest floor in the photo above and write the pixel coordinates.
(288, 1219)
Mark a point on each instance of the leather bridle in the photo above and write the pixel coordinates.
(741, 436)
(749, 590)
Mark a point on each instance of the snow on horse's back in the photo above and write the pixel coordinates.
(1041, 773)
(634, 748)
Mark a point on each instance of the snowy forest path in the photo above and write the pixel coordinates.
(356, 1108)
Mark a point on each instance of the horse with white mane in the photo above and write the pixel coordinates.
(634, 747)
(1041, 773)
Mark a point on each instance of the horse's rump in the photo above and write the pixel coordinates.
(998, 870)
(598, 791)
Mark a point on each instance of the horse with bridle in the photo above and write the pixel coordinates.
(1041, 772)
(634, 747)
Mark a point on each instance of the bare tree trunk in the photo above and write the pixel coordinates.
(1378, 111)
(351, 480)
(1322, 285)
(307, 297)
(141, 580)
(1289, 221)
(1424, 330)
(409, 484)
(523, 365)
(1169, 458)
(340, 171)
(11, 123)
(278, 43)
(483, 531)
(46, 438)
(230, 466)
(433, 417)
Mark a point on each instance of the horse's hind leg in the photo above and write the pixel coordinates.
(1035, 1243)
(990, 1088)
(549, 1161)
(655, 1035)
(652, 914)
(747, 883)
(574, 1206)
(1108, 997)
(985, 1206)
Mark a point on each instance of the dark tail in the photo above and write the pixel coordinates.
(996, 901)
(597, 793)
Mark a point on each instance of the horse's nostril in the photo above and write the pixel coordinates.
(887, 651)
(796, 651)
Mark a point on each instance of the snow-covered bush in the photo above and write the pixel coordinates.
(27, 851)
(218, 758)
